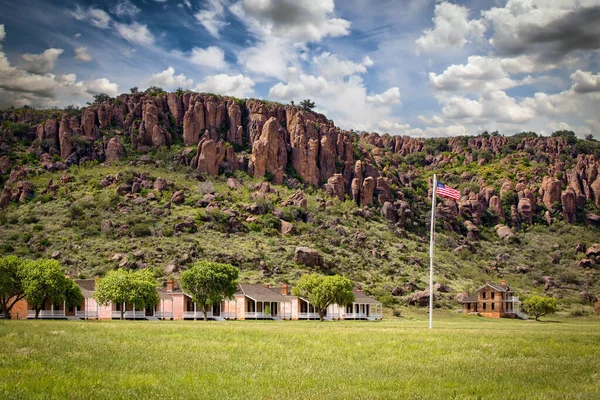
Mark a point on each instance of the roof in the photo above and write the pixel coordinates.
(87, 287)
(362, 298)
(498, 288)
(260, 293)
(469, 299)
(163, 294)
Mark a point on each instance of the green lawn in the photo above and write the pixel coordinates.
(464, 358)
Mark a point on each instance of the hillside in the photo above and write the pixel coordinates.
(157, 180)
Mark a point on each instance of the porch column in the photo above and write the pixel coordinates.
(65, 307)
(195, 317)
(134, 312)
(255, 309)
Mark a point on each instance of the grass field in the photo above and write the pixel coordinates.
(463, 358)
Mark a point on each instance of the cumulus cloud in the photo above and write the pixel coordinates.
(126, 8)
(390, 96)
(229, 85)
(585, 82)
(212, 18)
(19, 86)
(102, 85)
(548, 29)
(452, 29)
(329, 65)
(270, 57)
(41, 63)
(81, 54)
(135, 33)
(95, 16)
(304, 20)
(211, 56)
(478, 74)
(168, 79)
(2, 33)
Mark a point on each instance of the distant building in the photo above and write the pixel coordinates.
(493, 301)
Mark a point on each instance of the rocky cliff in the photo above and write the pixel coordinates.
(293, 145)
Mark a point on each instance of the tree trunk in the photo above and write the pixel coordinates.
(205, 311)
(37, 313)
(322, 315)
(6, 313)
(122, 313)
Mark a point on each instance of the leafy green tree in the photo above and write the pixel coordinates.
(101, 98)
(134, 90)
(540, 306)
(307, 104)
(208, 283)
(120, 286)
(11, 289)
(155, 90)
(322, 291)
(43, 281)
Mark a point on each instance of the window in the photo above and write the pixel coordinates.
(468, 306)
(484, 305)
(492, 306)
(493, 295)
(118, 307)
(483, 295)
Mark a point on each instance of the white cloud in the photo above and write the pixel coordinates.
(77, 35)
(212, 17)
(187, 4)
(135, 33)
(126, 8)
(479, 74)
(102, 85)
(236, 85)
(2, 32)
(81, 54)
(435, 120)
(270, 57)
(212, 57)
(329, 66)
(95, 16)
(41, 63)
(304, 20)
(585, 82)
(390, 96)
(167, 79)
(452, 29)
(20, 87)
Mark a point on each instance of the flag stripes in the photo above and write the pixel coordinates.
(446, 191)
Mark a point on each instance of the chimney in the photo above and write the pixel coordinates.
(488, 282)
(266, 285)
(284, 289)
(170, 285)
(503, 282)
(467, 293)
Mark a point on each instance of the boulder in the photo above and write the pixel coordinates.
(592, 219)
(525, 209)
(569, 206)
(367, 189)
(210, 156)
(114, 150)
(550, 192)
(178, 197)
(161, 184)
(588, 298)
(5, 164)
(593, 251)
(296, 200)
(233, 184)
(335, 186)
(287, 228)
(472, 231)
(495, 206)
(307, 256)
(64, 136)
(388, 211)
(504, 232)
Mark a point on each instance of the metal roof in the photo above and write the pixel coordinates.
(260, 293)
(362, 298)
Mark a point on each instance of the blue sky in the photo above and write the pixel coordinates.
(413, 67)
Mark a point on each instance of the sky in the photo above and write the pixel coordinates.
(422, 68)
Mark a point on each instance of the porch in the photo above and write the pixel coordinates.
(52, 311)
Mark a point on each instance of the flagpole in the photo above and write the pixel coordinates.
(432, 233)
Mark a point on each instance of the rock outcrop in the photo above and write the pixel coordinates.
(269, 152)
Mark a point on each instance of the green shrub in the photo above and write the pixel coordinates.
(140, 230)
(271, 221)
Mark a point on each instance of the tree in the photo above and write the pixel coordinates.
(322, 291)
(155, 90)
(134, 90)
(43, 281)
(126, 287)
(11, 289)
(208, 283)
(101, 98)
(307, 104)
(540, 306)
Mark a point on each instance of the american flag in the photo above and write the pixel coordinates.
(446, 191)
